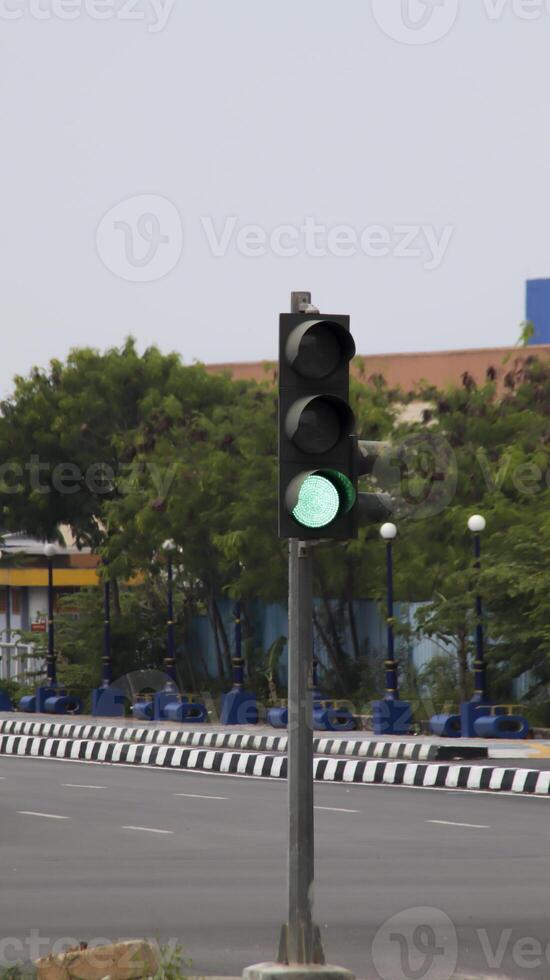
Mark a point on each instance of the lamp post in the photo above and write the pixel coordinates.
(169, 548)
(107, 663)
(239, 707)
(477, 525)
(50, 552)
(388, 533)
(391, 716)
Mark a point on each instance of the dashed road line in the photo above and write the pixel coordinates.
(198, 796)
(48, 816)
(149, 830)
(336, 809)
(82, 786)
(451, 823)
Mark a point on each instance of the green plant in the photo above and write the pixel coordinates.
(173, 964)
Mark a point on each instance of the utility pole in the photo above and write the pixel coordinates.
(300, 943)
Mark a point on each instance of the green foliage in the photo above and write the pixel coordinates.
(166, 450)
(173, 964)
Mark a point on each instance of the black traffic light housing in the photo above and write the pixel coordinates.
(316, 427)
(320, 457)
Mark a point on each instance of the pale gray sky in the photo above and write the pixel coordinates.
(207, 116)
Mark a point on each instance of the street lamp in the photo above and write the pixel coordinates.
(50, 552)
(107, 663)
(388, 533)
(169, 548)
(391, 716)
(477, 524)
(107, 700)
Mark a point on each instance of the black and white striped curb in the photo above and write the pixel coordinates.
(361, 748)
(412, 774)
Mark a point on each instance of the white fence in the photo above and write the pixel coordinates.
(19, 659)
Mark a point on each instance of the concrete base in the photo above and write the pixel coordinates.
(275, 971)
(391, 717)
(108, 702)
(239, 708)
(5, 701)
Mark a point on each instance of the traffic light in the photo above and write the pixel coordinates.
(320, 457)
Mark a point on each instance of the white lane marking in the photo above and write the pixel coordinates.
(82, 786)
(335, 809)
(197, 796)
(149, 830)
(451, 823)
(49, 816)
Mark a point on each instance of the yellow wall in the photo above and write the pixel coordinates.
(24, 577)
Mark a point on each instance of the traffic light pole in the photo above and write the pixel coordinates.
(302, 940)
(300, 943)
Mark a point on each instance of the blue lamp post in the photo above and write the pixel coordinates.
(169, 548)
(50, 552)
(477, 525)
(107, 701)
(239, 707)
(479, 704)
(107, 662)
(49, 697)
(391, 716)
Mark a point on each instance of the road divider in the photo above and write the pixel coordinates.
(354, 747)
(326, 770)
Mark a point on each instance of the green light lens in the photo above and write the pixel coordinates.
(318, 502)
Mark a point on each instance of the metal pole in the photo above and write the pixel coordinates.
(51, 666)
(480, 674)
(392, 684)
(301, 941)
(170, 661)
(107, 672)
(238, 659)
(8, 649)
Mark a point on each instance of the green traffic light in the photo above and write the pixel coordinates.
(318, 502)
(322, 496)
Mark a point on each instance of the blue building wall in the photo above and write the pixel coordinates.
(537, 309)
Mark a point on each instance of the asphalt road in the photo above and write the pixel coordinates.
(131, 857)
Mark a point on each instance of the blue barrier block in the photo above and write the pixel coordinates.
(470, 711)
(27, 703)
(239, 708)
(172, 706)
(108, 702)
(502, 726)
(42, 695)
(5, 702)
(446, 725)
(391, 717)
(63, 704)
(277, 717)
(330, 719)
(143, 710)
(188, 711)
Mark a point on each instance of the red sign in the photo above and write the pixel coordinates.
(38, 627)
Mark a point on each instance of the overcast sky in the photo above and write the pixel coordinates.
(173, 169)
